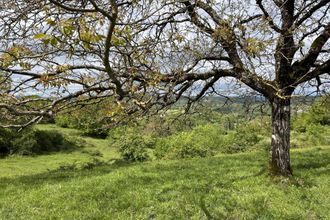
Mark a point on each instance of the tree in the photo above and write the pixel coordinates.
(65, 53)
(148, 54)
(241, 41)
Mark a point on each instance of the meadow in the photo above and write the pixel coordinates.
(196, 171)
(235, 186)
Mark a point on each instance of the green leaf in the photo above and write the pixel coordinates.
(53, 41)
(47, 41)
(51, 22)
(40, 36)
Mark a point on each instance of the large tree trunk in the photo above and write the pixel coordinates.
(280, 161)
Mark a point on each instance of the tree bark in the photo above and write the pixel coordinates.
(280, 161)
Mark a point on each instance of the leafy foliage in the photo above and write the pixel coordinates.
(312, 127)
(6, 136)
(318, 113)
(189, 144)
(90, 119)
(34, 141)
(131, 143)
(133, 149)
(206, 140)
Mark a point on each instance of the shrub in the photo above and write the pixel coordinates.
(318, 134)
(61, 120)
(90, 118)
(95, 162)
(116, 133)
(95, 132)
(206, 140)
(300, 123)
(66, 121)
(179, 146)
(133, 148)
(317, 114)
(245, 137)
(264, 144)
(314, 134)
(294, 143)
(202, 141)
(132, 142)
(6, 136)
(26, 144)
(35, 141)
(88, 124)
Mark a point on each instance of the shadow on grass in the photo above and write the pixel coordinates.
(313, 160)
(305, 164)
(68, 171)
(204, 174)
(226, 184)
(62, 175)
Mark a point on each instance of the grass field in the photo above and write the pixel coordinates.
(233, 186)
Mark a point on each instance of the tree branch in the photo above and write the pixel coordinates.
(302, 66)
(309, 12)
(267, 17)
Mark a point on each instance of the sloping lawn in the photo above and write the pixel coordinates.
(223, 187)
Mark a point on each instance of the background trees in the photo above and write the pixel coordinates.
(148, 54)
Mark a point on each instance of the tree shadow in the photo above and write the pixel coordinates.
(312, 161)
(59, 175)
(225, 184)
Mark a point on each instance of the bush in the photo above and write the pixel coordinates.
(63, 121)
(314, 134)
(318, 134)
(245, 137)
(90, 118)
(202, 141)
(34, 141)
(206, 140)
(95, 132)
(133, 148)
(299, 124)
(179, 146)
(88, 124)
(318, 114)
(133, 143)
(264, 144)
(6, 136)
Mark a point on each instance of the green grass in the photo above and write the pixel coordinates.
(27, 165)
(101, 145)
(223, 187)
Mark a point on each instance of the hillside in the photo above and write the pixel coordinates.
(77, 186)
